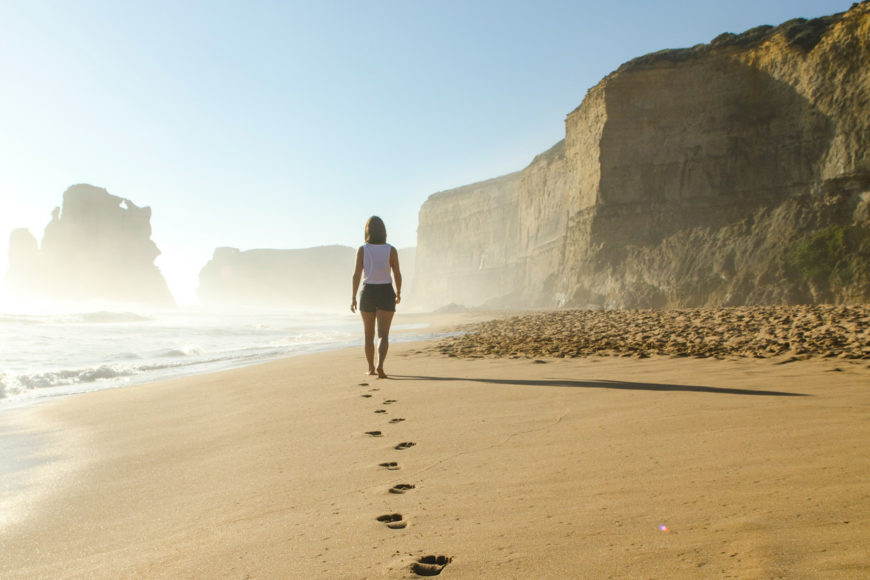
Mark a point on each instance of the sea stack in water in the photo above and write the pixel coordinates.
(97, 247)
(731, 173)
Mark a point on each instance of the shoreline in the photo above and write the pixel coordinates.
(408, 327)
(590, 466)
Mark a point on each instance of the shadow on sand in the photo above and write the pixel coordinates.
(592, 384)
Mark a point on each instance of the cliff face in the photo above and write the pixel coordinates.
(269, 278)
(687, 177)
(469, 235)
(97, 247)
(318, 277)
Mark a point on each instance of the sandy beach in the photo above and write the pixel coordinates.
(494, 467)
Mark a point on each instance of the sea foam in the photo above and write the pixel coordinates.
(67, 352)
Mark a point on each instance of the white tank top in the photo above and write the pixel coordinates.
(376, 264)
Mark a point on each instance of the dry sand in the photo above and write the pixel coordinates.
(591, 467)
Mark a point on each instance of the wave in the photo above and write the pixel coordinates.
(185, 351)
(100, 317)
(60, 353)
(12, 319)
(89, 375)
(26, 382)
(104, 317)
(12, 384)
(19, 384)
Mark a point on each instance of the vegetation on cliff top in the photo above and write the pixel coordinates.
(799, 32)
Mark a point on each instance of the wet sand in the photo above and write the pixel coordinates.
(544, 467)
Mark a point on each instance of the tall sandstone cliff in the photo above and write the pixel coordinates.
(736, 172)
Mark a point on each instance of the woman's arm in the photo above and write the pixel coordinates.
(397, 274)
(357, 276)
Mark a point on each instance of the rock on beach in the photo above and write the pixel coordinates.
(747, 331)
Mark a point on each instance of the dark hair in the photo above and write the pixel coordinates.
(376, 231)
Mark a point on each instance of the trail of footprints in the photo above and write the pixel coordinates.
(430, 565)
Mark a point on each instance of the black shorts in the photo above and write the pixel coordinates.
(377, 297)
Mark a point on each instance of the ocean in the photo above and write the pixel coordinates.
(66, 353)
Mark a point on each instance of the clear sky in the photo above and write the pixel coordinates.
(269, 124)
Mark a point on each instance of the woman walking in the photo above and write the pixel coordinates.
(377, 265)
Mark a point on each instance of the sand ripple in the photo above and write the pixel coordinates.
(749, 331)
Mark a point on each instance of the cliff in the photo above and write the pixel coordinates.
(271, 278)
(722, 174)
(97, 247)
(483, 214)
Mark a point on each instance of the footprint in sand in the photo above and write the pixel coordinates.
(401, 487)
(397, 420)
(390, 401)
(367, 396)
(404, 445)
(381, 411)
(391, 465)
(374, 433)
(394, 521)
(430, 565)
(363, 384)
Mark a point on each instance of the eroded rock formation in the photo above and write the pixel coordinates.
(696, 177)
(98, 247)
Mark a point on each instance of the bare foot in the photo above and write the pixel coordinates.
(381, 373)
(372, 372)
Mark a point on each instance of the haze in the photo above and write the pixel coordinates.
(286, 124)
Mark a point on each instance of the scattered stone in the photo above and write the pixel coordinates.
(791, 332)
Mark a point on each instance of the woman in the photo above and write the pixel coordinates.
(377, 304)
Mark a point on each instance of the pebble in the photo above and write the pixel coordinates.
(802, 331)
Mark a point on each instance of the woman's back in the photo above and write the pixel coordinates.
(376, 264)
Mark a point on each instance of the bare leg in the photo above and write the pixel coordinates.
(369, 333)
(384, 318)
